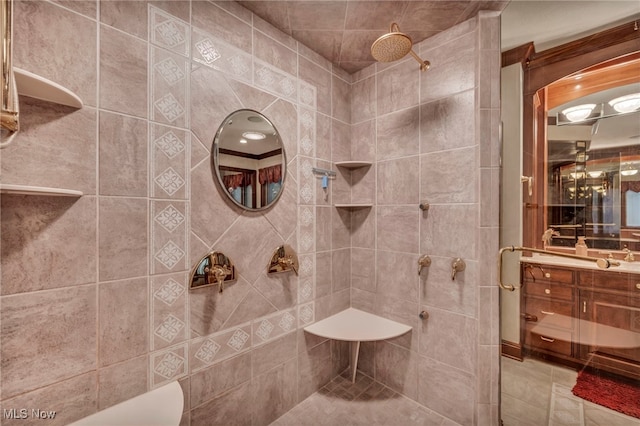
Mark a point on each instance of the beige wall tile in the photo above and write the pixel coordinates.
(398, 134)
(456, 336)
(437, 382)
(215, 380)
(123, 155)
(123, 73)
(71, 400)
(221, 24)
(448, 123)
(69, 163)
(230, 408)
(396, 88)
(122, 237)
(35, 22)
(29, 261)
(397, 229)
(127, 16)
(119, 382)
(398, 181)
(123, 320)
(62, 322)
(441, 183)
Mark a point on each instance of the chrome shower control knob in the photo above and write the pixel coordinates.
(424, 315)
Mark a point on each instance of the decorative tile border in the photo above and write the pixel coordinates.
(307, 94)
(168, 236)
(168, 365)
(307, 228)
(306, 132)
(167, 31)
(219, 55)
(169, 82)
(217, 347)
(306, 180)
(169, 148)
(169, 310)
(273, 326)
(306, 314)
(274, 80)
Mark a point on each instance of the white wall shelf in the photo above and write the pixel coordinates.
(355, 326)
(34, 86)
(38, 190)
(353, 164)
(353, 206)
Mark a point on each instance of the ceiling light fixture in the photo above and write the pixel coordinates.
(627, 103)
(579, 112)
(629, 172)
(595, 173)
(254, 136)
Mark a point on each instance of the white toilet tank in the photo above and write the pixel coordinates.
(159, 407)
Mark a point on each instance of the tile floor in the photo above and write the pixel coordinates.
(533, 394)
(365, 402)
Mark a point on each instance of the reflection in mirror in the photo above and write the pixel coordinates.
(249, 160)
(284, 259)
(214, 268)
(593, 158)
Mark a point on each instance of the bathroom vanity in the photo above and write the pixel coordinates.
(581, 316)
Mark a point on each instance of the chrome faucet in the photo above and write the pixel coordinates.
(628, 255)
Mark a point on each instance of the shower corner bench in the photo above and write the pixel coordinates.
(355, 326)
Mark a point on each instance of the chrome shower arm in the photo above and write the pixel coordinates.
(601, 262)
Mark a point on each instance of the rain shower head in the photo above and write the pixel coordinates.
(394, 46)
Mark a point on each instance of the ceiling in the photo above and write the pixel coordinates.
(343, 30)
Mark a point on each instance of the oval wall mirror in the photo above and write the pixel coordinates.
(249, 160)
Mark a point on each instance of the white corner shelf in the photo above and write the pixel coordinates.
(353, 206)
(38, 190)
(34, 86)
(355, 326)
(353, 164)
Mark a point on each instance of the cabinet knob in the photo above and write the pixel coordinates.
(547, 275)
(638, 286)
(547, 291)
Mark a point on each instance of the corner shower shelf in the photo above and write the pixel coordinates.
(38, 190)
(353, 206)
(34, 86)
(353, 164)
(355, 326)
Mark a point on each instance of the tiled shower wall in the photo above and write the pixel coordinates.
(433, 138)
(94, 304)
(95, 301)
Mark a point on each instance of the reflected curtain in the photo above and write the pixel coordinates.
(240, 179)
(270, 174)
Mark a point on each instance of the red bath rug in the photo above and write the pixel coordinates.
(616, 394)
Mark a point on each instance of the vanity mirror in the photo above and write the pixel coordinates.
(593, 158)
(249, 160)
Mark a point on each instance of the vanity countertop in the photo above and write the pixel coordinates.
(549, 259)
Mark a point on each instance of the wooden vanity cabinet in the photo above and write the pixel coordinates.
(548, 308)
(582, 317)
(609, 312)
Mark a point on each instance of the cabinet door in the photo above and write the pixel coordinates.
(609, 331)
